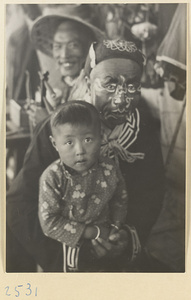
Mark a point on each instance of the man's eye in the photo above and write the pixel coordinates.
(111, 87)
(56, 46)
(88, 140)
(72, 45)
(68, 143)
(132, 88)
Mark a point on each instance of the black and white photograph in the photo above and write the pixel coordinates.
(95, 97)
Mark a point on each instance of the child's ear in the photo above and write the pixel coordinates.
(53, 142)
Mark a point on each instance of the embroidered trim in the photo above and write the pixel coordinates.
(120, 45)
(70, 258)
(130, 130)
(118, 147)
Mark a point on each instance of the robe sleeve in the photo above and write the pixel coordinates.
(119, 202)
(54, 220)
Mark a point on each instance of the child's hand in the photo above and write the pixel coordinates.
(91, 232)
(114, 230)
(104, 232)
(107, 232)
(114, 246)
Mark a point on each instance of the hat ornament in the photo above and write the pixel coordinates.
(120, 45)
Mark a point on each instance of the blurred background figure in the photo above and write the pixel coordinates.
(168, 105)
(146, 25)
(21, 55)
(21, 66)
(171, 55)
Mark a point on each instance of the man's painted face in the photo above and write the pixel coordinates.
(69, 48)
(115, 89)
(78, 146)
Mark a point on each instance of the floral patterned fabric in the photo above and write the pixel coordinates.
(68, 201)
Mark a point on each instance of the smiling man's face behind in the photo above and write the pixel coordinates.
(70, 46)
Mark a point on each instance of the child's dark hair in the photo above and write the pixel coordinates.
(75, 112)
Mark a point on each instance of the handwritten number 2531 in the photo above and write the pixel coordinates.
(18, 289)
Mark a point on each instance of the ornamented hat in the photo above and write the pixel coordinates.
(44, 27)
(107, 49)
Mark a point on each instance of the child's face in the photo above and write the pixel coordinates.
(78, 146)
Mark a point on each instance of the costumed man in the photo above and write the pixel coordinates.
(113, 71)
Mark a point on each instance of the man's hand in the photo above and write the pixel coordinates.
(54, 99)
(36, 114)
(114, 246)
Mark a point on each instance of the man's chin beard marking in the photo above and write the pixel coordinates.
(108, 115)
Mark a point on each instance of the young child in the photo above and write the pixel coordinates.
(82, 195)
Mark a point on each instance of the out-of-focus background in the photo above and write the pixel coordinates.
(160, 31)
